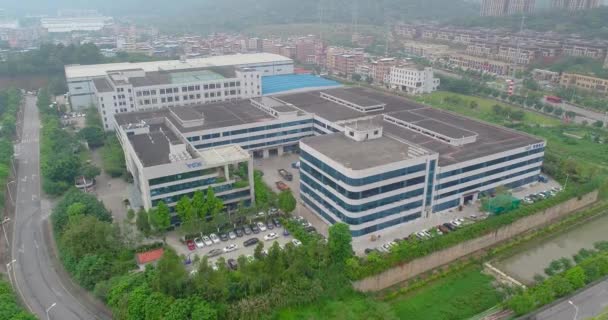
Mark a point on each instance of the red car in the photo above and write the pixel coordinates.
(191, 245)
(282, 186)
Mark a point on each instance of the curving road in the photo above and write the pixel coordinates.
(32, 272)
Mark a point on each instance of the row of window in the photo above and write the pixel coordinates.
(490, 163)
(357, 221)
(271, 143)
(360, 181)
(487, 173)
(182, 186)
(250, 130)
(361, 207)
(326, 126)
(481, 184)
(429, 182)
(181, 176)
(225, 197)
(361, 194)
(253, 138)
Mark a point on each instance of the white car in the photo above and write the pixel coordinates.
(271, 236)
(273, 210)
(557, 189)
(261, 226)
(231, 235)
(230, 247)
(456, 223)
(199, 243)
(207, 241)
(261, 214)
(214, 238)
(296, 242)
(387, 246)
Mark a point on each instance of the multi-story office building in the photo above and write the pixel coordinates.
(579, 81)
(573, 5)
(498, 8)
(412, 80)
(128, 91)
(387, 161)
(166, 167)
(82, 90)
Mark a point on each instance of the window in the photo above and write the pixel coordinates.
(152, 92)
(162, 91)
(212, 86)
(205, 86)
(185, 97)
(169, 90)
(190, 88)
(184, 89)
(163, 100)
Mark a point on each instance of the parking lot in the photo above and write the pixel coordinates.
(173, 239)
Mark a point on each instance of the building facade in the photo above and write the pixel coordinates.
(497, 8)
(588, 83)
(82, 90)
(413, 80)
(574, 5)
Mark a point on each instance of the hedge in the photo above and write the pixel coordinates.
(412, 249)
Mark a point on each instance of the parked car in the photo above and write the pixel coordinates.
(273, 210)
(224, 236)
(285, 174)
(231, 235)
(269, 225)
(527, 200)
(276, 222)
(247, 230)
(214, 238)
(215, 252)
(285, 232)
(239, 232)
(271, 236)
(261, 226)
(255, 229)
(557, 189)
(231, 247)
(232, 264)
(543, 179)
(295, 165)
(450, 226)
(207, 241)
(191, 245)
(387, 246)
(296, 242)
(199, 243)
(250, 242)
(282, 186)
(443, 228)
(310, 229)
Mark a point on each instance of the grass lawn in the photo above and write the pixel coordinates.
(456, 297)
(483, 110)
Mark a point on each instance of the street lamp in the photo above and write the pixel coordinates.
(49, 309)
(6, 220)
(9, 190)
(575, 309)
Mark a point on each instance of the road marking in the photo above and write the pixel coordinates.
(24, 179)
(36, 244)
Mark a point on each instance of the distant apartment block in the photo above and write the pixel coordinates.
(579, 81)
(545, 75)
(573, 5)
(431, 52)
(584, 49)
(382, 68)
(75, 20)
(497, 8)
(412, 80)
(467, 62)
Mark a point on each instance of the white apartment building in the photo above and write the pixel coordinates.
(82, 90)
(132, 90)
(412, 80)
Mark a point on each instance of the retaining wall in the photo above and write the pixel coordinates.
(437, 259)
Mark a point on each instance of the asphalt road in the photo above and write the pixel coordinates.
(31, 271)
(589, 302)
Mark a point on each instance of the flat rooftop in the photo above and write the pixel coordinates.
(98, 70)
(353, 97)
(216, 115)
(490, 139)
(153, 148)
(362, 155)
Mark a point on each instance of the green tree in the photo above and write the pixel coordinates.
(473, 104)
(356, 77)
(521, 303)
(184, 209)
(160, 217)
(576, 277)
(340, 243)
(198, 204)
(204, 311)
(171, 277)
(598, 124)
(142, 222)
(89, 171)
(213, 205)
(94, 136)
(287, 202)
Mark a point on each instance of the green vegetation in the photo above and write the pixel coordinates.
(10, 100)
(113, 157)
(567, 280)
(286, 201)
(587, 23)
(264, 196)
(9, 306)
(200, 213)
(580, 65)
(458, 296)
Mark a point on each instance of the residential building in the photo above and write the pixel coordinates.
(467, 62)
(606, 62)
(345, 64)
(83, 92)
(75, 21)
(394, 161)
(497, 8)
(431, 52)
(545, 75)
(579, 81)
(381, 69)
(305, 48)
(517, 53)
(584, 49)
(573, 5)
(412, 80)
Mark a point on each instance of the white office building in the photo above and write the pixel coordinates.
(412, 80)
(83, 91)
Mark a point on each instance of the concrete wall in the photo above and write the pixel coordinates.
(416, 267)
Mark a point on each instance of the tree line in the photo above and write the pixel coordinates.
(10, 101)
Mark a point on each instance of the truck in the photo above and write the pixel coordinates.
(285, 174)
